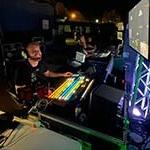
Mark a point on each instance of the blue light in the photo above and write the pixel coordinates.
(136, 112)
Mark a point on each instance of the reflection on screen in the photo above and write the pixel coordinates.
(139, 27)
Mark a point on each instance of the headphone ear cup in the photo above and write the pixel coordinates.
(24, 54)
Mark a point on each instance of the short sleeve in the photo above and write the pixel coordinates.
(43, 67)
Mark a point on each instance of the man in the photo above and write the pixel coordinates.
(90, 47)
(31, 70)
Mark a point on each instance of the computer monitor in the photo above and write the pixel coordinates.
(139, 20)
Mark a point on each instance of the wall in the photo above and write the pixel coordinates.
(22, 19)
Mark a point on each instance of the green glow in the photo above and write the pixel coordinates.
(123, 147)
(137, 80)
(86, 145)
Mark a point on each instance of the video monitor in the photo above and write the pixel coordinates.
(139, 20)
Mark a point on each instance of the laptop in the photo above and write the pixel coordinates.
(79, 59)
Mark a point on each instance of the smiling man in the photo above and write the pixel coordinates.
(27, 75)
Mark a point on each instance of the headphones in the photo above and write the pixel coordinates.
(24, 52)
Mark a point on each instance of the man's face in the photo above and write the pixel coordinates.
(35, 52)
(82, 41)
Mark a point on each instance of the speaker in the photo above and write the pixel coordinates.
(104, 108)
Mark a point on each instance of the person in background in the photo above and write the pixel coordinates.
(82, 42)
(90, 47)
(87, 45)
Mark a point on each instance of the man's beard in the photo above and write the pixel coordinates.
(36, 59)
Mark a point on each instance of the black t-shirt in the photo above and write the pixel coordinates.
(28, 75)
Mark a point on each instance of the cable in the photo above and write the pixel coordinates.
(17, 139)
(5, 139)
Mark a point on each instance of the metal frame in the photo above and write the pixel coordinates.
(141, 93)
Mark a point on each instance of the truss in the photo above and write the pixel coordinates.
(141, 98)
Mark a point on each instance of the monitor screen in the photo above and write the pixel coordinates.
(139, 28)
(80, 57)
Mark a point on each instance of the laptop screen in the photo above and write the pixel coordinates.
(80, 57)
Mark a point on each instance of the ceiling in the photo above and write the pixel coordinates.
(94, 8)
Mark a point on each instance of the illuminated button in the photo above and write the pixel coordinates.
(87, 79)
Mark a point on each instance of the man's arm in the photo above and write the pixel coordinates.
(49, 73)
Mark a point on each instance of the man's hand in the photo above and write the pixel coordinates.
(68, 74)
(49, 73)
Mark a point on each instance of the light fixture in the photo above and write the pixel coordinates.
(73, 16)
(136, 112)
(96, 20)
